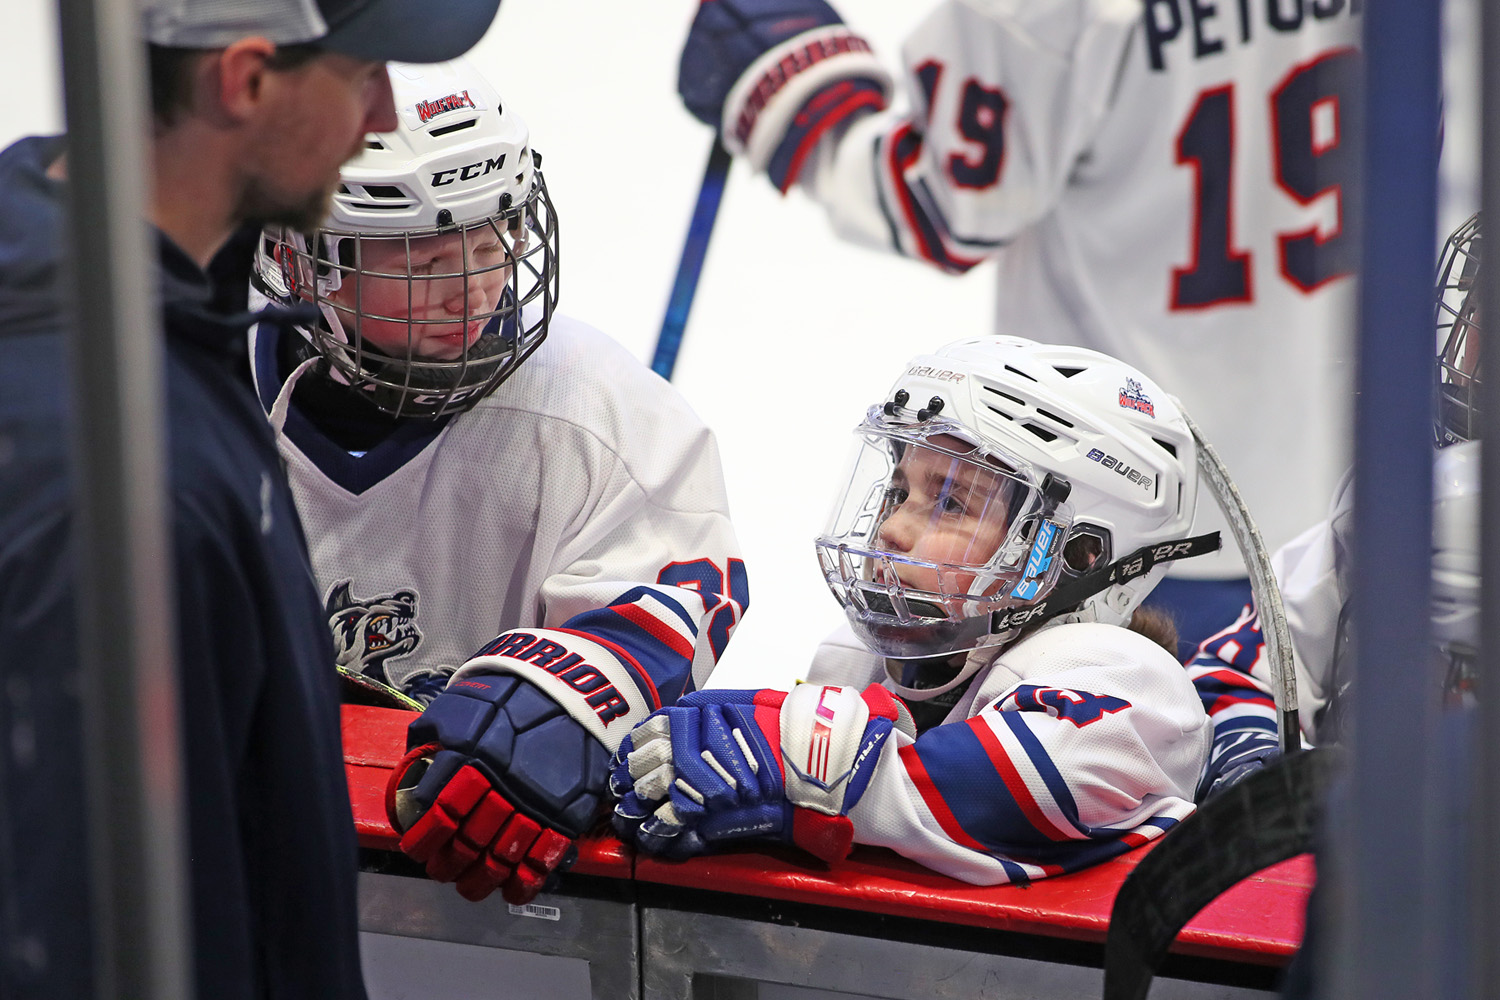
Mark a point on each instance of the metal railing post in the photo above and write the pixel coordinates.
(126, 601)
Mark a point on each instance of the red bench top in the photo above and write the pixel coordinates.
(1260, 920)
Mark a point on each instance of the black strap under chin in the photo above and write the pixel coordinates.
(1067, 597)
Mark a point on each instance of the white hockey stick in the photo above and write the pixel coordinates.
(1273, 626)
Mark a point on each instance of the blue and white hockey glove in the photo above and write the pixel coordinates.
(1236, 756)
(726, 766)
(499, 781)
(774, 75)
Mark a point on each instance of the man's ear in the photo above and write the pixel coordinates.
(240, 76)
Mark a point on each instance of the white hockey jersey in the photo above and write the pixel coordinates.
(583, 495)
(1231, 669)
(1070, 747)
(1167, 180)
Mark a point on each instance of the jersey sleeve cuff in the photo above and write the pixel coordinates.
(764, 102)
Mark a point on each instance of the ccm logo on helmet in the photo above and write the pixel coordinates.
(468, 172)
(1110, 462)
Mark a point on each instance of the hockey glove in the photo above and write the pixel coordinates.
(773, 76)
(725, 766)
(498, 783)
(1235, 756)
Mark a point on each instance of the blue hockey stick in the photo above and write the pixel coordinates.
(691, 265)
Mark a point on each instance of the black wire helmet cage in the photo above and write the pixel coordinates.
(514, 328)
(1459, 337)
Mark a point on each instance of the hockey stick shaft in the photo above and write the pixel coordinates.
(694, 248)
(1273, 627)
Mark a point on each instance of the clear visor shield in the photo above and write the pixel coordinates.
(432, 320)
(1459, 339)
(932, 534)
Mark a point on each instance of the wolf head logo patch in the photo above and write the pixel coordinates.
(369, 633)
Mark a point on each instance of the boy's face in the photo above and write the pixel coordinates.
(456, 280)
(944, 510)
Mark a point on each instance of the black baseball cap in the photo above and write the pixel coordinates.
(414, 31)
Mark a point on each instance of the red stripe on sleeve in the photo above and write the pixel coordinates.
(1234, 701)
(655, 628)
(903, 193)
(862, 99)
(1013, 781)
(934, 799)
(626, 660)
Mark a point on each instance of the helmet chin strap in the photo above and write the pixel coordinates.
(1061, 601)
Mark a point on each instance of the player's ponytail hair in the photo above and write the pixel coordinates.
(1156, 625)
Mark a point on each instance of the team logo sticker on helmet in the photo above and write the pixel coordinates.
(428, 110)
(1133, 397)
(369, 633)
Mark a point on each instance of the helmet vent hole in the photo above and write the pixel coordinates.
(1017, 371)
(1053, 416)
(1004, 395)
(996, 409)
(373, 143)
(455, 127)
(1167, 446)
(1066, 372)
(1082, 552)
(1040, 432)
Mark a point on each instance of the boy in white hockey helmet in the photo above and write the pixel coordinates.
(1230, 669)
(1008, 507)
(469, 463)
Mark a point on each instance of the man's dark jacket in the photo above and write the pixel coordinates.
(272, 850)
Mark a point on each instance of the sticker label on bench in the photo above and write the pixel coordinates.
(536, 910)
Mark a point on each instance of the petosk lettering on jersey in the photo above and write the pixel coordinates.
(1167, 182)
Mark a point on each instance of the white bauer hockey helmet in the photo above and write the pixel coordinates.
(1458, 335)
(1002, 483)
(459, 164)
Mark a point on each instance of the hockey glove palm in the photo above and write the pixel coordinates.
(499, 782)
(724, 766)
(774, 75)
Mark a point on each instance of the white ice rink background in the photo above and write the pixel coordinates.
(792, 333)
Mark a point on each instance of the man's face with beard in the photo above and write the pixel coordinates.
(318, 114)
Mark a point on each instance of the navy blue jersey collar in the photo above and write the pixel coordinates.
(354, 473)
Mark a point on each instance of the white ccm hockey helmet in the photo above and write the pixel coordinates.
(436, 272)
(1002, 483)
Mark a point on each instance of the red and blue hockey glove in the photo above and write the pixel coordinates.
(726, 766)
(774, 75)
(499, 782)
